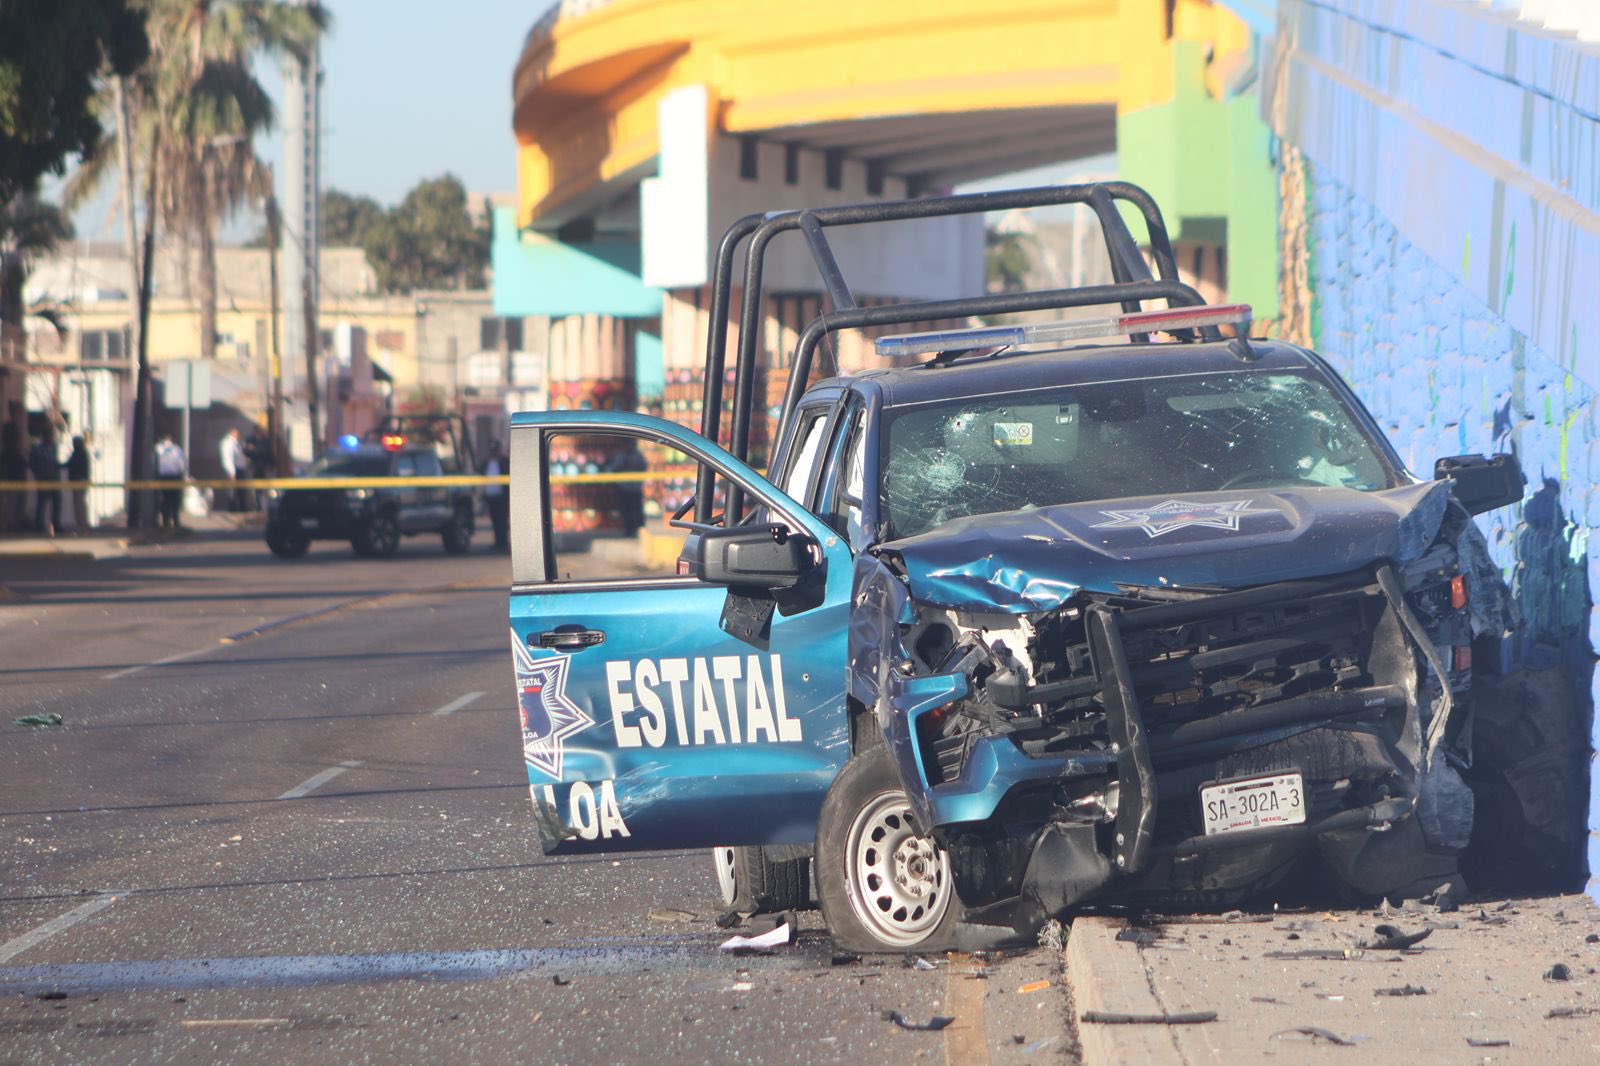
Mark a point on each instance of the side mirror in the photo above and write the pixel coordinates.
(768, 557)
(1482, 482)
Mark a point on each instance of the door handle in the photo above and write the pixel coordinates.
(570, 638)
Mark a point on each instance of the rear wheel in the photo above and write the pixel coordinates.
(749, 882)
(884, 884)
(380, 536)
(457, 532)
(286, 542)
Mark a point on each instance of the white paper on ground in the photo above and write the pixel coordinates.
(770, 939)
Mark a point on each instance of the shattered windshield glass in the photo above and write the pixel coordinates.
(1197, 433)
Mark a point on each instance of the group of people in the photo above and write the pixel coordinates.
(43, 465)
(242, 459)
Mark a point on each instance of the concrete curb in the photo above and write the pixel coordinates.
(1106, 974)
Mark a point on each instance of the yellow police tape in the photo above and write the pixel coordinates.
(445, 481)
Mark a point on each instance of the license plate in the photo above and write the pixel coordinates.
(1254, 803)
(308, 523)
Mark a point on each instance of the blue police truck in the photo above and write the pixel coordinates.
(1113, 602)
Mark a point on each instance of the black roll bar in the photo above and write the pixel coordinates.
(1128, 268)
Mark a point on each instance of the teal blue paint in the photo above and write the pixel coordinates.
(649, 366)
(1511, 273)
(538, 275)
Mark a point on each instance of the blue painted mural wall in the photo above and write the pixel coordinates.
(1441, 224)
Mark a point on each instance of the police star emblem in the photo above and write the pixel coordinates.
(549, 717)
(1169, 515)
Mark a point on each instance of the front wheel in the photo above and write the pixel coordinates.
(457, 532)
(884, 884)
(287, 542)
(751, 883)
(379, 536)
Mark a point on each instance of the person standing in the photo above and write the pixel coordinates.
(44, 461)
(496, 499)
(258, 449)
(235, 465)
(78, 472)
(172, 466)
(13, 467)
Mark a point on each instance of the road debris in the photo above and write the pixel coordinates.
(1038, 1045)
(917, 962)
(1559, 972)
(1052, 935)
(559, 981)
(1403, 990)
(1315, 953)
(233, 1023)
(39, 721)
(1488, 1041)
(672, 915)
(1315, 1034)
(731, 919)
(1111, 1017)
(761, 944)
(1572, 1012)
(1032, 986)
(1393, 938)
(1142, 937)
(844, 958)
(932, 1025)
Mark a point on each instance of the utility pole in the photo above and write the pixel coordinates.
(275, 404)
(302, 155)
(130, 244)
(311, 369)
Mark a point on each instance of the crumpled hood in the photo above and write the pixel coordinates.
(1034, 560)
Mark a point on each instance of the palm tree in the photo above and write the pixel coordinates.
(29, 228)
(197, 108)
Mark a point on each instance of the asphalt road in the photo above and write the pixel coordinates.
(285, 818)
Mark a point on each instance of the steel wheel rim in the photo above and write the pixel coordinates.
(898, 880)
(723, 859)
(385, 535)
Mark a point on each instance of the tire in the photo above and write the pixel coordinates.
(380, 536)
(751, 883)
(1530, 773)
(883, 887)
(287, 543)
(457, 532)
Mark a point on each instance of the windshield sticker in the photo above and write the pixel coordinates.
(1012, 434)
(711, 711)
(549, 717)
(1177, 514)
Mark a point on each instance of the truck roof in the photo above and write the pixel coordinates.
(1019, 370)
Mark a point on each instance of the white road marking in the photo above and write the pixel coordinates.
(159, 662)
(12, 948)
(316, 781)
(455, 705)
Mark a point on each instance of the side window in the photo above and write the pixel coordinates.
(405, 466)
(843, 510)
(803, 460)
(611, 498)
(428, 465)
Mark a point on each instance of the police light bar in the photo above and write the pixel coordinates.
(1175, 318)
(393, 442)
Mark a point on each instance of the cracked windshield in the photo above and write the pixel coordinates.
(1109, 440)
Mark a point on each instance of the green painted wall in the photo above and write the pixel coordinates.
(539, 275)
(1208, 163)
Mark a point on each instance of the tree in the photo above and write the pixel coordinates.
(51, 58)
(347, 219)
(29, 228)
(429, 241)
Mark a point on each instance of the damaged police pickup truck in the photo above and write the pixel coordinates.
(1027, 624)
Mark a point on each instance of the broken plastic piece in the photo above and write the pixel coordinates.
(1403, 990)
(1033, 986)
(1111, 1017)
(669, 914)
(39, 721)
(1487, 1041)
(1316, 1034)
(1559, 972)
(764, 942)
(932, 1025)
(1393, 938)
